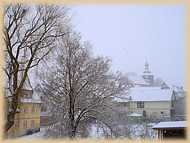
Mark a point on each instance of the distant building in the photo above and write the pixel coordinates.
(179, 110)
(44, 116)
(41, 93)
(179, 92)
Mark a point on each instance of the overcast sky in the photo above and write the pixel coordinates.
(129, 34)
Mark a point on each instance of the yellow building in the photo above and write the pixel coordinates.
(27, 120)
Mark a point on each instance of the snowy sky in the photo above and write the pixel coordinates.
(131, 33)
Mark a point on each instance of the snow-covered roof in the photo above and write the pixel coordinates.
(150, 94)
(171, 124)
(39, 90)
(29, 100)
(158, 82)
(178, 89)
(136, 115)
(135, 79)
(121, 99)
(27, 85)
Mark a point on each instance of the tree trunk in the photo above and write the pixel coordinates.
(11, 113)
(72, 128)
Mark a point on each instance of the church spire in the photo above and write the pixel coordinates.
(146, 68)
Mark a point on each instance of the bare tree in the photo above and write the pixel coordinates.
(144, 130)
(30, 33)
(80, 88)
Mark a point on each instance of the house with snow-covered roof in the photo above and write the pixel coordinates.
(151, 102)
(27, 118)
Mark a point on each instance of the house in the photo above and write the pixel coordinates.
(27, 119)
(179, 92)
(171, 130)
(151, 102)
(179, 110)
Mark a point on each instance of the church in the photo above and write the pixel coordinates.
(147, 79)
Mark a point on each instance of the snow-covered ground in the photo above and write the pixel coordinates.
(138, 131)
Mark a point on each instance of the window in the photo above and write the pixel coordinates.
(25, 124)
(16, 124)
(32, 123)
(25, 110)
(140, 104)
(33, 110)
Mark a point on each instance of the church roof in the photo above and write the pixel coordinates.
(146, 94)
(34, 99)
(137, 80)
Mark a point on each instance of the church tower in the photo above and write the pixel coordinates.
(148, 77)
